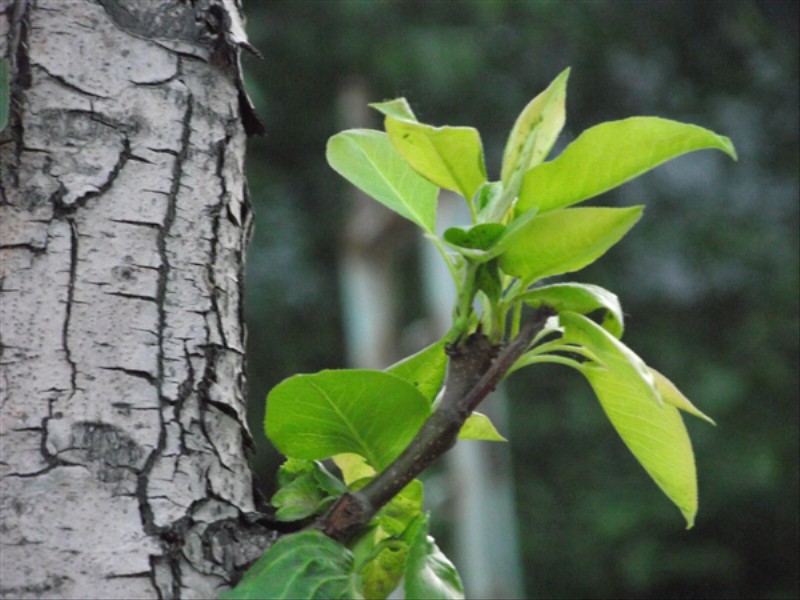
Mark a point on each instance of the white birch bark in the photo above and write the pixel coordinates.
(123, 224)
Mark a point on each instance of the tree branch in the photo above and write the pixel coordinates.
(473, 371)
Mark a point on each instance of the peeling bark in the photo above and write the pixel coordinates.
(124, 219)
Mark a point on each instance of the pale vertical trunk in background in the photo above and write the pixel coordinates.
(479, 497)
(123, 224)
(368, 249)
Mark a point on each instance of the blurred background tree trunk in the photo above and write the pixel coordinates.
(124, 219)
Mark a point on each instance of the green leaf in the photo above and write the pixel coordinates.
(544, 118)
(368, 160)
(307, 565)
(353, 467)
(372, 413)
(380, 551)
(450, 157)
(429, 575)
(610, 154)
(477, 237)
(654, 434)
(305, 488)
(297, 499)
(397, 108)
(477, 243)
(395, 517)
(489, 280)
(425, 370)
(564, 241)
(610, 352)
(672, 395)
(653, 431)
(381, 575)
(486, 197)
(581, 298)
(479, 427)
(292, 469)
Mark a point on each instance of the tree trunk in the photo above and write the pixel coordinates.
(123, 224)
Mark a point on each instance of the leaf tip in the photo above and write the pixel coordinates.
(728, 147)
(705, 418)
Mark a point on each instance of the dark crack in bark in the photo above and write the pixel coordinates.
(146, 510)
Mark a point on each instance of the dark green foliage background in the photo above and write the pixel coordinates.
(708, 279)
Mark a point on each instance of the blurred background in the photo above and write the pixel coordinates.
(708, 279)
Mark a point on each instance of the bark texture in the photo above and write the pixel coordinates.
(124, 219)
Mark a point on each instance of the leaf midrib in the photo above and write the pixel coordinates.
(366, 452)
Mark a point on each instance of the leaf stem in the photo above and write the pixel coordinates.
(437, 241)
(463, 308)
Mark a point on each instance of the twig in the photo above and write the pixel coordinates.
(473, 372)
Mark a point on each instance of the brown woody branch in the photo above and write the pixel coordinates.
(473, 371)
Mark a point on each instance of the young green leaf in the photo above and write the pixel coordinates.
(380, 554)
(564, 241)
(477, 237)
(479, 427)
(450, 157)
(395, 517)
(429, 575)
(610, 154)
(672, 395)
(653, 431)
(292, 469)
(306, 488)
(372, 413)
(368, 160)
(353, 467)
(581, 298)
(425, 370)
(654, 434)
(489, 280)
(398, 108)
(544, 118)
(611, 353)
(299, 499)
(382, 574)
(307, 565)
(485, 199)
(477, 242)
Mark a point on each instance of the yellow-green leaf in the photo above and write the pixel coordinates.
(581, 298)
(353, 467)
(425, 370)
(610, 352)
(479, 427)
(401, 510)
(397, 108)
(654, 434)
(652, 430)
(543, 117)
(672, 395)
(608, 155)
(368, 160)
(450, 157)
(564, 241)
(381, 575)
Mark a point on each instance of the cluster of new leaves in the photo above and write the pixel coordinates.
(521, 232)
